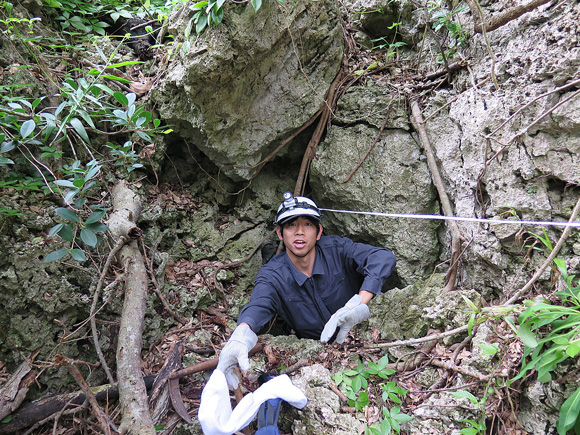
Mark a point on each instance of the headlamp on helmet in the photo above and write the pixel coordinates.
(292, 207)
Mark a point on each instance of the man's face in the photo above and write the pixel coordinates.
(299, 236)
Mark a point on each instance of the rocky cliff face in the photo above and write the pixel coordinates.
(504, 126)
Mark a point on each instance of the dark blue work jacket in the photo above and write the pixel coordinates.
(341, 269)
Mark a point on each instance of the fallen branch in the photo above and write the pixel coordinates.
(207, 365)
(414, 341)
(132, 392)
(550, 258)
(445, 202)
(157, 290)
(463, 370)
(120, 243)
(42, 410)
(78, 377)
(14, 391)
(159, 396)
(506, 16)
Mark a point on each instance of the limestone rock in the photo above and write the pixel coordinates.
(394, 178)
(244, 86)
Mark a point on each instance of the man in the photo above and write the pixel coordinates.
(320, 286)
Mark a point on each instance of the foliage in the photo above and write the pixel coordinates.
(445, 19)
(74, 225)
(356, 381)
(475, 427)
(86, 108)
(551, 334)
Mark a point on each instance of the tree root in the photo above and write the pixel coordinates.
(445, 202)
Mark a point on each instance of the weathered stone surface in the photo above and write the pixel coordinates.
(243, 87)
(398, 313)
(321, 415)
(394, 178)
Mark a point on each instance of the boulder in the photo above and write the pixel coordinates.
(237, 90)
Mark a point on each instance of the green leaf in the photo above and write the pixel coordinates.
(95, 216)
(527, 336)
(256, 4)
(4, 161)
(6, 419)
(89, 237)
(66, 233)
(120, 97)
(402, 418)
(55, 230)
(116, 79)
(67, 214)
(201, 24)
(569, 413)
(469, 303)
(78, 255)
(573, 349)
(7, 146)
(27, 128)
(121, 64)
(55, 255)
(97, 227)
(386, 426)
(80, 129)
(357, 384)
(489, 349)
(464, 394)
(65, 183)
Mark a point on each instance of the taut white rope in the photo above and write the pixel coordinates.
(457, 218)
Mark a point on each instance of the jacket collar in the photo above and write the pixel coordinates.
(299, 277)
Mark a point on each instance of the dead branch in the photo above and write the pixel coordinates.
(534, 122)
(14, 391)
(157, 290)
(517, 112)
(414, 341)
(120, 243)
(76, 374)
(478, 12)
(339, 393)
(550, 258)
(296, 366)
(43, 409)
(207, 365)
(506, 16)
(159, 396)
(463, 370)
(445, 202)
(133, 394)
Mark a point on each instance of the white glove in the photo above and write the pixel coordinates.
(236, 352)
(346, 318)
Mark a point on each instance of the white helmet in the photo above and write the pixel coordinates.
(293, 207)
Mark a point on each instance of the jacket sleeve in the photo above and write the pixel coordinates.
(264, 304)
(374, 263)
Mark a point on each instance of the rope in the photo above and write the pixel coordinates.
(458, 218)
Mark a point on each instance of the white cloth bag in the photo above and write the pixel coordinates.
(215, 412)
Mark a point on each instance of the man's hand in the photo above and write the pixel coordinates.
(236, 352)
(346, 318)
